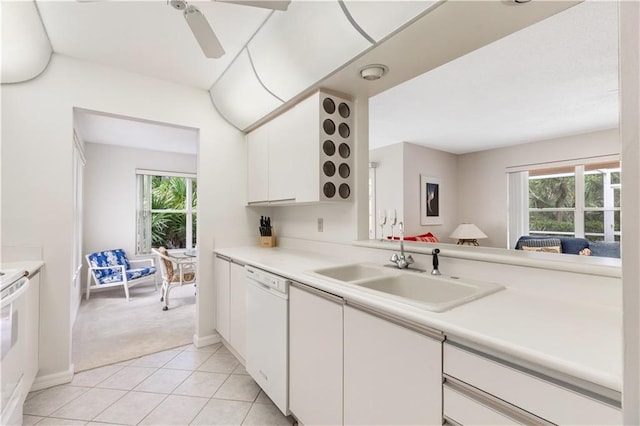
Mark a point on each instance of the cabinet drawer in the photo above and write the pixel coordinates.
(527, 390)
(464, 405)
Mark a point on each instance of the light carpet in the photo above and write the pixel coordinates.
(109, 329)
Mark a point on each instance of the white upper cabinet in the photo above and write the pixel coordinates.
(258, 165)
(296, 49)
(282, 157)
(239, 96)
(304, 155)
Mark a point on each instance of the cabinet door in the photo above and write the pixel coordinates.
(283, 160)
(238, 309)
(221, 279)
(305, 128)
(258, 165)
(315, 358)
(32, 312)
(392, 375)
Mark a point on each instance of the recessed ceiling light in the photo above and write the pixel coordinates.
(373, 72)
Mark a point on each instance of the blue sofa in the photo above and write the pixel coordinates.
(572, 245)
(605, 248)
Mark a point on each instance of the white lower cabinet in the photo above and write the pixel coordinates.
(231, 303)
(352, 367)
(482, 389)
(221, 279)
(238, 309)
(315, 357)
(392, 374)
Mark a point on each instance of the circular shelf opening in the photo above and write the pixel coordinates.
(329, 148)
(344, 150)
(344, 191)
(329, 168)
(328, 105)
(344, 170)
(344, 130)
(343, 110)
(329, 126)
(329, 190)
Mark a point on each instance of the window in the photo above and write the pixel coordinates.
(166, 214)
(576, 201)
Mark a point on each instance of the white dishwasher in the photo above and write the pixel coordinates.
(267, 356)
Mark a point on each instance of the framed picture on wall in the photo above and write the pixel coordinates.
(430, 200)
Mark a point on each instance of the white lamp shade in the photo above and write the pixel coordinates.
(467, 231)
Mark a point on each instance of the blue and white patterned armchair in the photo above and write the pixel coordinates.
(112, 268)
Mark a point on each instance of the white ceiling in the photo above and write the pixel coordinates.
(149, 37)
(555, 78)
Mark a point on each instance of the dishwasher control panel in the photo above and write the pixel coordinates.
(267, 279)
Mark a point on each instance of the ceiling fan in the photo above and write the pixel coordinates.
(203, 32)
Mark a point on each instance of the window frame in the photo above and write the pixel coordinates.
(145, 211)
(580, 209)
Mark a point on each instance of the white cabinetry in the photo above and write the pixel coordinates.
(304, 155)
(352, 367)
(258, 165)
(315, 357)
(238, 309)
(231, 290)
(480, 387)
(32, 331)
(392, 375)
(221, 279)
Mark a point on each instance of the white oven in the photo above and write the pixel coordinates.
(12, 343)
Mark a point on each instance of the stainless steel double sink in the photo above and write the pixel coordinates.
(434, 293)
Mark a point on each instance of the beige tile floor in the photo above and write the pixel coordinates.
(183, 386)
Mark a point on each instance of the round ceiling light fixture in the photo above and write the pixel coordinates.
(373, 72)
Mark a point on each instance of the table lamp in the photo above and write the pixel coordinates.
(467, 234)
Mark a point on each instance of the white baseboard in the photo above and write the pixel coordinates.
(201, 342)
(234, 352)
(49, 380)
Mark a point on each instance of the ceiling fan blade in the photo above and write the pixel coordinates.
(266, 4)
(202, 31)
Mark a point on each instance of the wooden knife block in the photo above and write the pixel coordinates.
(268, 241)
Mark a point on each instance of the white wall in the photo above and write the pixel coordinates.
(110, 192)
(629, 16)
(37, 126)
(482, 178)
(389, 183)
(431, 162)
(398, 185)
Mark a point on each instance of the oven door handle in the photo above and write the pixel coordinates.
(23, 286)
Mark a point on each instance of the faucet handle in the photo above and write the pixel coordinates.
(409, 260)
(394, 257)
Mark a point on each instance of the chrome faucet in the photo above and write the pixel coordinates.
(401, 261)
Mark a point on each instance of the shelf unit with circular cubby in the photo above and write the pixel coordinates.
(304, 155)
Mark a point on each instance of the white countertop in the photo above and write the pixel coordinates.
(579, 340)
